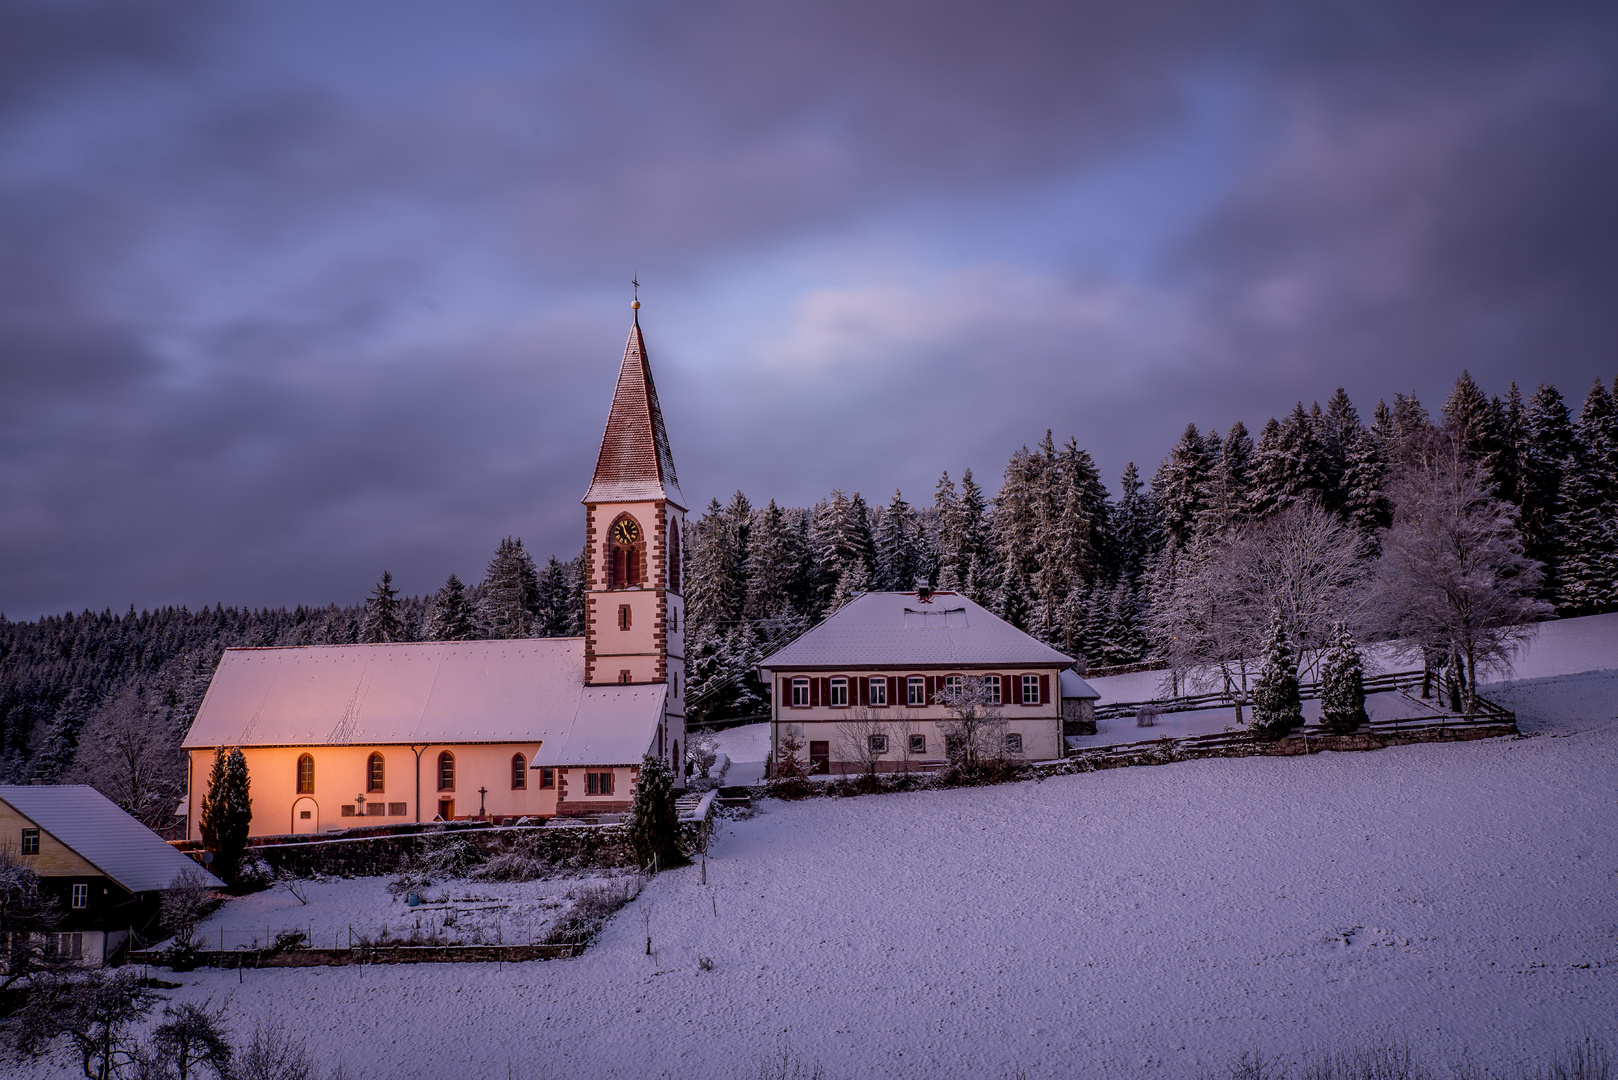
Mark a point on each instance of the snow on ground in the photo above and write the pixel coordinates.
(1562, 647)
(342, 911)
(1151, 921)
(1180, 725)
(748, 747)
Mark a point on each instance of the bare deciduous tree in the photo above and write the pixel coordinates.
(1453, 577)
(184, 904)
(27, 917)
(128, 753)
(974, 726)
(1301, 565)
(863, 737)
(903, 726)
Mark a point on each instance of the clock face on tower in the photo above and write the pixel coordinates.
(625, 532)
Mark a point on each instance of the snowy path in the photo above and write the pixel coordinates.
(1153, 920)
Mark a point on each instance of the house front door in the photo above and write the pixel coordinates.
(820, 757)
(305, 816)
(446, 809)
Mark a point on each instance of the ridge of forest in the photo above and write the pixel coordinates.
(1111, 579)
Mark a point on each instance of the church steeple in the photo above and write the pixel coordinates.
(635, 463)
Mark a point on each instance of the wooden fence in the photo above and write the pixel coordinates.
(1377, 684)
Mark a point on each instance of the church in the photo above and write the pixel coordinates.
(446, 730)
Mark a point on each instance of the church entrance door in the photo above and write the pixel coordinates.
(305, 816)
(446, 809)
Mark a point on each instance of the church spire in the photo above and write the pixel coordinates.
(635, 463)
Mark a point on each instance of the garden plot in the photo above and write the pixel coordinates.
(341, 912)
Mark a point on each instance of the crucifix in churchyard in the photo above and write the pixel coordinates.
(482, 791)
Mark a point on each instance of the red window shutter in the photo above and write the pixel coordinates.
(825, 690)
(814, 691)
(786, 693)
(930, 689)
(1044, 689)
(894, 685)
(865, 690)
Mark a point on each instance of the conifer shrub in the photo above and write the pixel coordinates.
(227, 810)
(1277, 708)
(787, 776)
(654, 823)
(1342, 683)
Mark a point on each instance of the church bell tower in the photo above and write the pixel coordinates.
(634, 627)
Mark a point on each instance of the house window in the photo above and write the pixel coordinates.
(547, 778)
(446, 771)
(1030, 689)
(879, 744)
(519, 772)
(839, 693)
(396, 809)
(624, 617)
(69, 946)
(916, 690)
(918, 744)
(1013, 743)
(598, 783)
(991, 689)
(953, 684)
(674, 619)
(306, 774)
(374, 773)
(30, 841)
(879, 691)
(800, 692)
(81, 896)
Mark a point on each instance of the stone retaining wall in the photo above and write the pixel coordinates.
(577, 847)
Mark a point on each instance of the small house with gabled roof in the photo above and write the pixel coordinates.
(347, 735)
(105, 869)
(887, 657)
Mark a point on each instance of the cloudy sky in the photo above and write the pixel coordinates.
(294, 292)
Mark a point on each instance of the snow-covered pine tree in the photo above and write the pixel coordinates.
(1365, 506)
(1180, 486)
(1548, 443)
(1228, 482)
(227, 810)
(1598, 435)
(61, 739)
(1342, 682)
(450, 617)
(947, 537)
(1012, 603)
(775, 566)
(739, 520)
(382, 622)
(1339, 429)
(1277, 709)
(555, 600)
(509, 595)
(897, 557)
(973, 525)
(1468, 418)
(1587, 579)
(1133, 528)
(654, 823)
(715, 589)
(1505, 468)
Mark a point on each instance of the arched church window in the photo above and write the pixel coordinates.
(306, 774)
(626, 553)
(446, 771)
(374, 773)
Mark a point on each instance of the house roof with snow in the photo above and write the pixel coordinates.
(635, 462)
(894, 629)
(1075, 687)
(528, 690)
(103, 835)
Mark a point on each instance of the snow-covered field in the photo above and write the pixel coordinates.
(1156, 921)
(340, 912)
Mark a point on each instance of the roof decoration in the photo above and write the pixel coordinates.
(635, 463)
(889, 629)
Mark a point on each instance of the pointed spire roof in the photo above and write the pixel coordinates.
(635, 464)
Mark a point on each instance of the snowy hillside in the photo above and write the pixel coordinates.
(1149, 920)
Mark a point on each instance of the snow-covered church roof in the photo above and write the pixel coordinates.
(894, 629)
(528, 690)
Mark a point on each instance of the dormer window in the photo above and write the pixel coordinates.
(626, 553)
